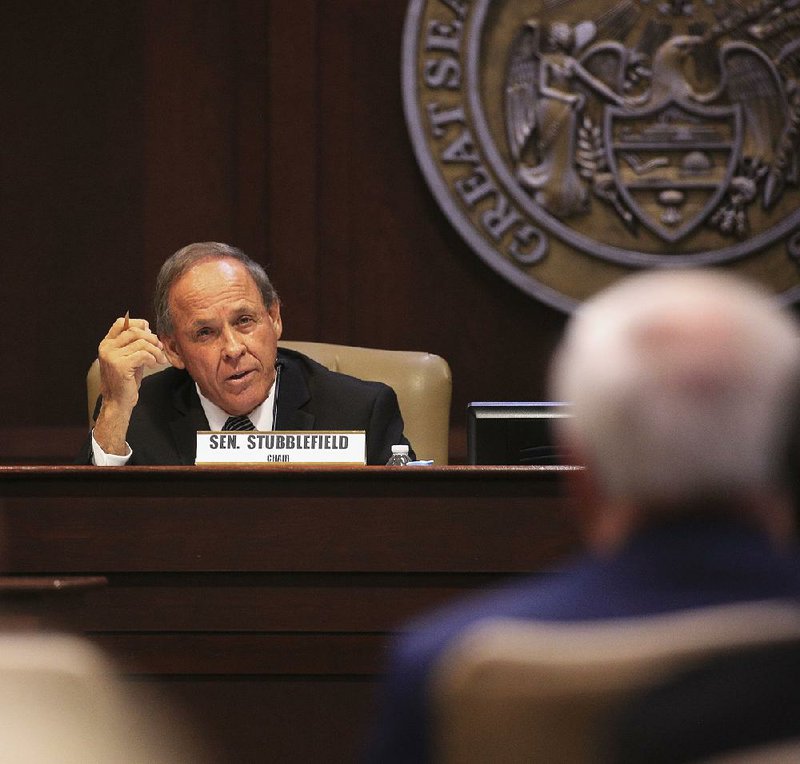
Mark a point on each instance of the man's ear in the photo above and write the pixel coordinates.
(172, 351)
(274, 312)
(603, 523)
(582, 488)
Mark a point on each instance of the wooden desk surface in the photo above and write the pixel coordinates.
(262, 597)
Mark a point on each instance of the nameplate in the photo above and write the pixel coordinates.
(282, 447)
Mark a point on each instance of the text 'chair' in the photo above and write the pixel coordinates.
(422, 381)
(513, 691)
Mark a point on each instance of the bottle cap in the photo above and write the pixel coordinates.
(400, 449)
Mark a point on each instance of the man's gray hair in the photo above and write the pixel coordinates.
(680, 387)
(184, 259)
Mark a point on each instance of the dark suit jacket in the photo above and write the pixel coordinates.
(686, 564)
(166, 419)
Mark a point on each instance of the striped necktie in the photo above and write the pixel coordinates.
(238, 423)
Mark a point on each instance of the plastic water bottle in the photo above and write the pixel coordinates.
(399, 456)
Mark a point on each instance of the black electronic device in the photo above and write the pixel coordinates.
(513, 432)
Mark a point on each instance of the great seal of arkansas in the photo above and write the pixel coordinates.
(573, 142)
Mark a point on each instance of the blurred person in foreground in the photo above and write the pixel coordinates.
(218, 322)
(679, 385)
(743, 703)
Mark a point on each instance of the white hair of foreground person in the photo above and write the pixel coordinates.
(679, 384)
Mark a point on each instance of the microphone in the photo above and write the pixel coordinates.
(278, 368)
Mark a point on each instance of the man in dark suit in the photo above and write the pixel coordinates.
(679, 384)
(218, 322)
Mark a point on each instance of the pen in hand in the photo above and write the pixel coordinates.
(127, 322)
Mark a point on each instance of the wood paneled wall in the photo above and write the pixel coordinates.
(133, 128)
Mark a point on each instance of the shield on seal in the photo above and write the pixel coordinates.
(672, 163)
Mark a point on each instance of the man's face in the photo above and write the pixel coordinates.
(223, 335)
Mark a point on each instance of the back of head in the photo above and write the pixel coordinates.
(679, 383)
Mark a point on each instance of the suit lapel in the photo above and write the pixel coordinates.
(189, 418)
(292, 396)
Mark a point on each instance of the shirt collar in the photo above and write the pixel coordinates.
(260, 416)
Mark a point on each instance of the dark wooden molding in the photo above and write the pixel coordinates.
(244, 591)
